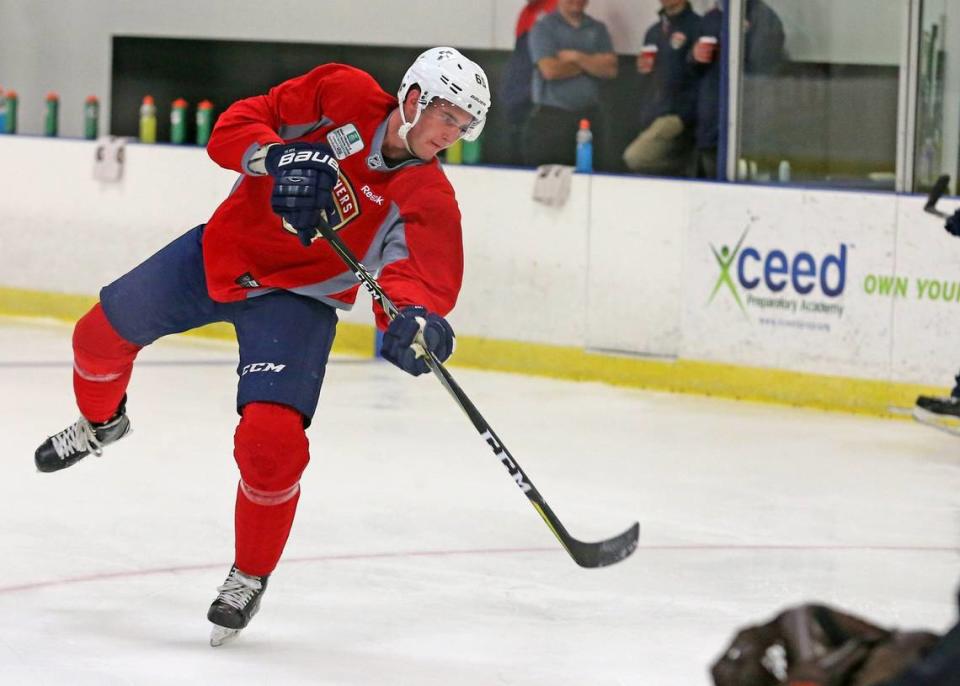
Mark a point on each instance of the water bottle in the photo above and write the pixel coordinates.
(454, 154)
(3, 111)
(178, 121)
(783, 173)
(91, 117)
(584, 148)
(148, 120)
(12, 102)
(51, 119)
(204, 121)
(471, 152)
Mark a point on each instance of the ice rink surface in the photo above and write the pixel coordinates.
(416, 560)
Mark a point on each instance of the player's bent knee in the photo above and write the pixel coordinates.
(271, 450)
(96, 342)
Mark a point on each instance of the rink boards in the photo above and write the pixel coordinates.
(834, 299)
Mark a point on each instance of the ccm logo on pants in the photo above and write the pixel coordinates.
(262, 367)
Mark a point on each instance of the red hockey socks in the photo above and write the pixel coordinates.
(272, 451)
(102, 363)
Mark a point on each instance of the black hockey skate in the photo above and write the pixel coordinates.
(236, 605)
(939, 412)
(80, 439)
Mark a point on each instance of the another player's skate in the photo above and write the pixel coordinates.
(236, 605)
(939, 412)
(79, 440)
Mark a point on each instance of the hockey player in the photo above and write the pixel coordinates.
(942, 412)
(327, 147)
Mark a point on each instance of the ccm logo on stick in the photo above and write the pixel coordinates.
(262, 367)
(505, 459)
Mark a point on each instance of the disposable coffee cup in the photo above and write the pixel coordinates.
(648, 56)
(708, 44)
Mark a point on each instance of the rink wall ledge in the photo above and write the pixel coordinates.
(834, 393)
(352, 339)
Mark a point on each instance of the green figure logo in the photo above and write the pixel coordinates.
(725, 259)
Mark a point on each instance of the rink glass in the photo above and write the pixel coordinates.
(937, 141)
(828, 111)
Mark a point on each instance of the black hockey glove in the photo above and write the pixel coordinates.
(953, 224)
(412, 331)
(304, 175)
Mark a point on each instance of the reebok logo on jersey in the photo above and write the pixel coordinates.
(294, 157)
(262, 367)
(373, 197)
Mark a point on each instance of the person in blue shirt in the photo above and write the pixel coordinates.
(573, 54)
(516, 80)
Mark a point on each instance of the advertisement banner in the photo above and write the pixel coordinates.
(773, 278)
(925, 294)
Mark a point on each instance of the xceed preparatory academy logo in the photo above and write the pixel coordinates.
(779, 284)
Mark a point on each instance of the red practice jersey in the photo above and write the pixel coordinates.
(531, 13)
(402, 220)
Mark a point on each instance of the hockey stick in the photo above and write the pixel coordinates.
(939, 188)
(597, 554)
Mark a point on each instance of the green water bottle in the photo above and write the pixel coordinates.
(178, 121)
(454, 154)
(471, 152)
(11, 119)
(148, 120)
(204, 121)
(91, 117)
(51, 119)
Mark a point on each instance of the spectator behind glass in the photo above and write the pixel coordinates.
(516, 84)
(667, 116)
(573, 54)
(762, 53)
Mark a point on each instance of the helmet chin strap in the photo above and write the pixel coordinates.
(405, 129)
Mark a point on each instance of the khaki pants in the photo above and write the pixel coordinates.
(659, 148)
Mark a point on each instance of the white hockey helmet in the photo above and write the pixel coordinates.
(445, 73)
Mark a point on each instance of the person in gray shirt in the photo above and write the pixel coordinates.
(573, 54)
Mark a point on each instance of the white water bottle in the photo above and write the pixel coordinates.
(783, 173)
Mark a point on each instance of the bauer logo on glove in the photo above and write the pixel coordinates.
(304, 176)
(293, 155)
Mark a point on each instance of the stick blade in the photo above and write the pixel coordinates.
(605, 553)
(939, 188)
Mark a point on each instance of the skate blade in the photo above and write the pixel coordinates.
(950, 425)
(221, 634)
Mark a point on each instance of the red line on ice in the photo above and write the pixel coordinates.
(693, 547)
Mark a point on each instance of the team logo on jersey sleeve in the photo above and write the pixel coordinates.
(346, 209)
(345, 201)
(345, 141)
